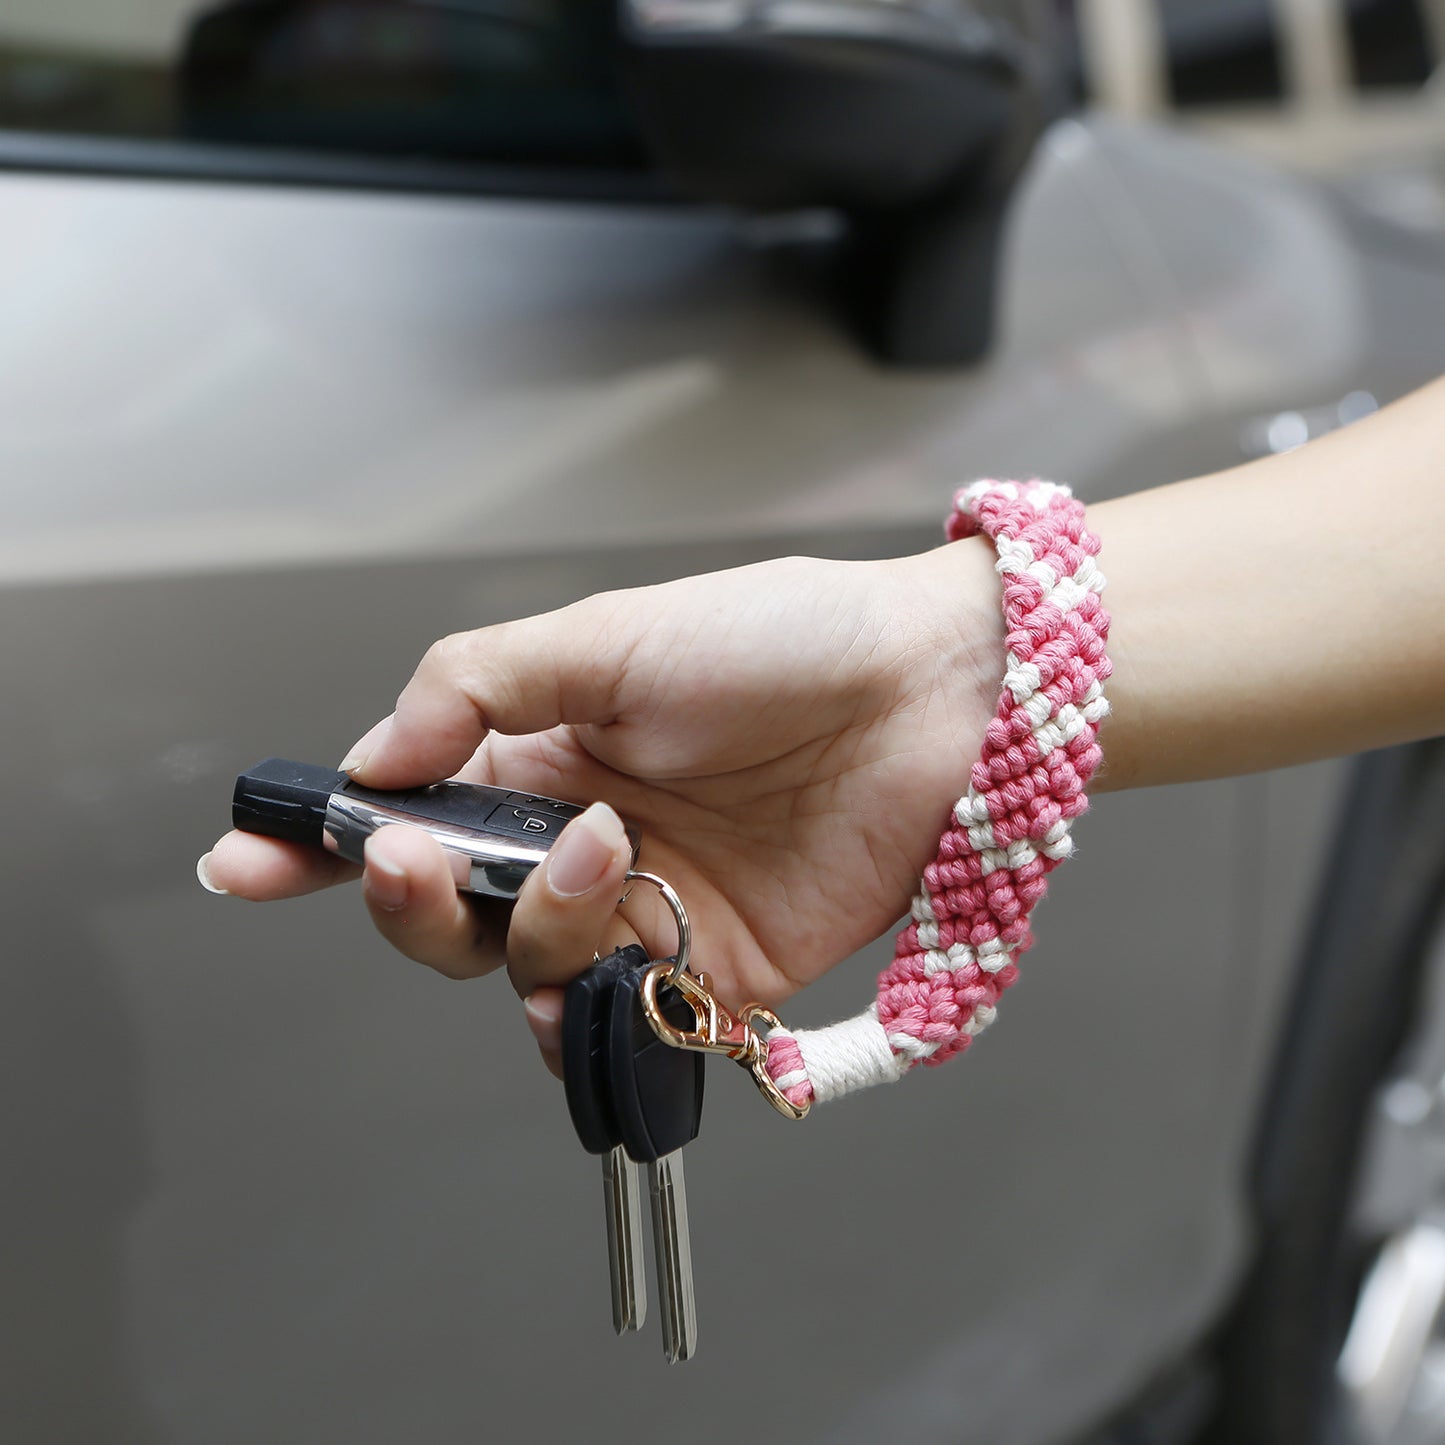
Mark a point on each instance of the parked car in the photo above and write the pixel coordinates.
(315, 348)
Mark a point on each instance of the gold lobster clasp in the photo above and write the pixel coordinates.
(715, 1030)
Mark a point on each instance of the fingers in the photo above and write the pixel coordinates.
(561, 917)
(519, 677)
(413, 900)
(567, 911)
(567, 906)
(263, 869)
(544, 1018)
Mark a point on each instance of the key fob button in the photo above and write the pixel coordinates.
(518, 820)
(543, 805)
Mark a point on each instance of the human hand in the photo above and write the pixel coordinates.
(788, 738)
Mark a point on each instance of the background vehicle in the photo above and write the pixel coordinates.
(260, 443)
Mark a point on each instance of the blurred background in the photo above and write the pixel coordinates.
(332, 326)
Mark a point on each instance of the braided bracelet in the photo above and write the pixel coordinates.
(970, 920)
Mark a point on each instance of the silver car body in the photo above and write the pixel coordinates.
(267, 1181)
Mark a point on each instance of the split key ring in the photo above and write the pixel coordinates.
(679, 913)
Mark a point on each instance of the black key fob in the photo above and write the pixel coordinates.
(655, 1089)
(586, 1017)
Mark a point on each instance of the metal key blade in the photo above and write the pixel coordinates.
(621, 1189)
(673, 1248)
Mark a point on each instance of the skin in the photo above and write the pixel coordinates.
(789, 736)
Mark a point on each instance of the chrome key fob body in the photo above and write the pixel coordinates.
(493, 837)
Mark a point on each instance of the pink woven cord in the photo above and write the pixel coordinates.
(970, 921)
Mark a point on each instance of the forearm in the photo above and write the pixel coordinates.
(1283, 611)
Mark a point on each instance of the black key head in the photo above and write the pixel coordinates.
(655, 1089)
(586, 1012)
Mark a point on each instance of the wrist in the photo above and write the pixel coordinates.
(955, 594)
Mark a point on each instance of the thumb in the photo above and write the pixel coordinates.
(517, 677)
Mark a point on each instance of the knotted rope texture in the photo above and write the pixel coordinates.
(970, 920)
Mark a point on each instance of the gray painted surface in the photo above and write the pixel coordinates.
(265, 1181)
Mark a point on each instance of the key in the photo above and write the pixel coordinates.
(493, 837)
(585, 1016)
(656, 1094)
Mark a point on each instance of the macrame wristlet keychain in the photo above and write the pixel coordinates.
(970, 920)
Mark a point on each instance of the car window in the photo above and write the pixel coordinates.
(1390, 42)
(1221, 50)
(1226, 51)
(530, 83)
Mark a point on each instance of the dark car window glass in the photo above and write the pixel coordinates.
(527, 82)
(1228, 51)
(1390, 43)
(1222, 51)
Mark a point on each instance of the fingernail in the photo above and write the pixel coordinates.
(385, 884)
(584, 851)
(364, 748)
(203, 872)
(544, 1011)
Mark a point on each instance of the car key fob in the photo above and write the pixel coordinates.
(656, 1095)
(493, 837)
(586, 1020)
(655, 1089)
